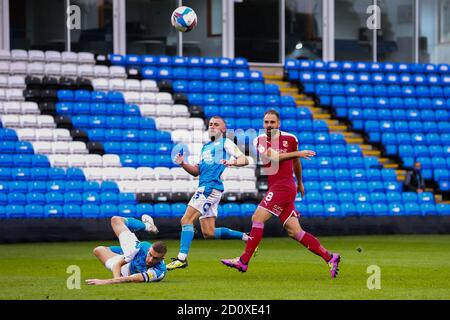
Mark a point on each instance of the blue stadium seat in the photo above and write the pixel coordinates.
(72, 211)
(108, 210)
(162, 210)
(91, 211)
(53, 211)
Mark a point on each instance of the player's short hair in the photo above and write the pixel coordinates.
(160, 247)
(274, 112)
(218, 117)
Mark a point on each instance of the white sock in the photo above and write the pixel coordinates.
(182, 256)
(245, 237)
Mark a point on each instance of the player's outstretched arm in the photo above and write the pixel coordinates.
(241, 161)
(278, 157)
(189, 168)
(136, 278)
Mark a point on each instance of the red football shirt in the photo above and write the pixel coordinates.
(280, 173)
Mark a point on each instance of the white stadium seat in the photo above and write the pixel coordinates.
(180, 174)
(12, 107)
(117, 85)
(146, 186)
(111, 160)
(58, 160)
(196, 124)
(5, 55)
(3, 81)
(2, 95)
(163, 173)
(127, 186)
(127, 173)
(36, 69)
(60, 147)
(86, 58)
(29, 108)
(179, 110)
(36, 56)
(163, 123)
(181, 136)
(76, 161)
(247, 174)
(148, 97)
(44, 135)
(92, 174)
(132, 85)
(46, 121)
(132, 97)
(86, 70)
(69, 70)
(101, 71)
(164, 98)
(117, 72)
(164, 110)
(100, 84)
(110, 174)
(94, 160)
(180, 187)
(180, 123)
(29, 121)
(14, 95)
(52, 69)
(149, 86)
(52, 56)
(42, 147)
(144, 173)
(16, 82)
(78, 147)
(248, 186)
(18, 67)
(148, 110)
(231, 186)
(26, 134)
(230, 174)
(10, 121)
(60, 134)
(69, 57)
(4, 67)
(19, 55)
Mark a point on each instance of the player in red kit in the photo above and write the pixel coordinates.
(278, 151)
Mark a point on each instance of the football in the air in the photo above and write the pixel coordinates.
(184, 19)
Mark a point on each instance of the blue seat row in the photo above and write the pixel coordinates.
(57, 198)
(367, 209)
(353, 187)
(436, 152)
(114, 122)
(177, 61)
(97, 108)
(254, 87)
(405, 91)
(241, 99)
(432, 140)
(340, 162)
(403, 126)
(23, 160)
(90, 96)
(349, 175)
(366, 197)
(394, 114)
(58, 186)
(136, 161)
(129, 135)
(109, 210)
(292, 64)
(388, 103)
(35, 174)
(372, 78)
(16, 147)
(8, 134)
(181, 73)
(236, 111)
(142, 148)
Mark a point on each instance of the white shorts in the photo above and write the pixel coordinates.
(128, 242)
(208, 207)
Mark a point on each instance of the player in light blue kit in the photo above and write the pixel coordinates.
(217, 154)
(133, 261)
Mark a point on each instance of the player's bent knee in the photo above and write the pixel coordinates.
(116, 220)
(98, 250)
(208, 236)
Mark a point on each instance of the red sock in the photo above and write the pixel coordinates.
(313, 245)
(253, 241)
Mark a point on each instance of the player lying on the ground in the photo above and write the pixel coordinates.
(133, 261)
(215, 156)
(278, 150)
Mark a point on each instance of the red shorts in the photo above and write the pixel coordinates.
(280, 201)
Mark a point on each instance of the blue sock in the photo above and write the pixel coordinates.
(187, 234)
(225, 233)
(116, 249)
(134, 224)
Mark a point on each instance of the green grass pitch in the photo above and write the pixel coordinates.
(412, 267)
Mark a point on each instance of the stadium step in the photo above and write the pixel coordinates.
(273, 77)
